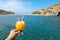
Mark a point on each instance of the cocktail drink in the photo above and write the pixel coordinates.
(20, 25)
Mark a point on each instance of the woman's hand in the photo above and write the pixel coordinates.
(13, 34)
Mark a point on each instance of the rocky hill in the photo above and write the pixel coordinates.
(50, 11)
(3, 12)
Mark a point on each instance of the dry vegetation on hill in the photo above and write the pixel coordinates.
(3, 12)
(50, 11)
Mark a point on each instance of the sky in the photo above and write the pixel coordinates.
(26, 6)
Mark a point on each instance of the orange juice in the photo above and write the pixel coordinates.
(20, 25)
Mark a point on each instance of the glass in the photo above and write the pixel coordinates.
(20, 24)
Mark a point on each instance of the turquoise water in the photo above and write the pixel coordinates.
(37, 27)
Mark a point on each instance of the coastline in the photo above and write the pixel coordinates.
(26, 15)
(21, 14)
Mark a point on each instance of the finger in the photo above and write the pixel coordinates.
(15, 30)
(18, 32)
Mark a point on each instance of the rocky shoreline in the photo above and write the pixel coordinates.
(51, 11)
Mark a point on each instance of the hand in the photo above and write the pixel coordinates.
(13, 34)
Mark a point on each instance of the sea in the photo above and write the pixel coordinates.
(37, 27)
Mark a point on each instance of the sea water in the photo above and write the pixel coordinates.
(37, 27)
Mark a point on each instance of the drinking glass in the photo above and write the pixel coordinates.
(20, 25)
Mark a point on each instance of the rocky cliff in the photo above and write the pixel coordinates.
(50, 11)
